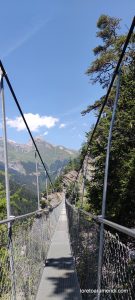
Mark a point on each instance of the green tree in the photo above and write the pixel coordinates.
(121, 190)
(58, 187)
(108, 51)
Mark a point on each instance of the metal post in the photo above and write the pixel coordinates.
(13, 291)
(84, 178)
(37, 180)
(5, 148)
(46, 185)
(74, 193)
(100, 257)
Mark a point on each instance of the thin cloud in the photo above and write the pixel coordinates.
(35, 122)
(72, 111)
(45, 133)
(22, 40)
(62, 125)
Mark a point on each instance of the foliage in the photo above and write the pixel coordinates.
(72, 193)
(58, 187)
(121, 189)
(43, 203)
(22, 200)
(73, 164)
(108, 52)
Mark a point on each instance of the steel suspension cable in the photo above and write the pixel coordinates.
(22, 114)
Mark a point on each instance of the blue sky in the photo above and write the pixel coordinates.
(46, 47)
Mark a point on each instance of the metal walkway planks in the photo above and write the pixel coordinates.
(59, 280)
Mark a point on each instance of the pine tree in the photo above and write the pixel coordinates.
(121, 190)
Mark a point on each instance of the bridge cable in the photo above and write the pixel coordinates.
(22, 114)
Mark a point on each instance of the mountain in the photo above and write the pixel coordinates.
(21, 159)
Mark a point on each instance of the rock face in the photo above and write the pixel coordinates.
(69, 178)
(22, 159)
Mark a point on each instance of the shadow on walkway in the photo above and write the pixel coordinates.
(60, 263)
(65, 285)
(59, 280)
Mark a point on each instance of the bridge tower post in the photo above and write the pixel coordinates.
(46, 185)
(10, 245)
(85, 165)
(37, 177)
(101, 242)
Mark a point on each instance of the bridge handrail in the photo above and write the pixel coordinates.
(99, 219)
(14, 218)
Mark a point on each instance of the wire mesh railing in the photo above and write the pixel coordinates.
(30, 239)
(84, 239)
(118, 264)
(118, 268)
(5, 280)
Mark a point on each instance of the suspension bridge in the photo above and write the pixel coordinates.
(63, 252)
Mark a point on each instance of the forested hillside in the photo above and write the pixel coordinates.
(23, 199)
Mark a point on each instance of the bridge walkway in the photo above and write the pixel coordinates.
(59, 279)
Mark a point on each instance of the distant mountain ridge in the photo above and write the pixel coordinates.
(22, 159)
